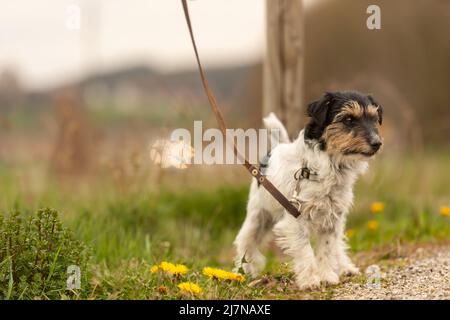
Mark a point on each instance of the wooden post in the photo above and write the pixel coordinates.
(283, 64)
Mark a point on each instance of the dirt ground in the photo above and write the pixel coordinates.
(394, 272)
(419, 272)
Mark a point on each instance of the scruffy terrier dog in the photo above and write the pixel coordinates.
(317, 171)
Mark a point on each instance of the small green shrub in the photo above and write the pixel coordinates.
(35, 253)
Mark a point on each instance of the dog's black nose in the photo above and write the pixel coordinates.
(375, 145)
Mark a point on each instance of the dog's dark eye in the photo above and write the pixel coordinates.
(349, 121)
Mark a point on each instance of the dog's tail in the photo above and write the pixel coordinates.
(271, 122)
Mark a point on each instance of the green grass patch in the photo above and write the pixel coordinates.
(128, 232)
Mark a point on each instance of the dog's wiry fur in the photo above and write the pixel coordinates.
(336, 144)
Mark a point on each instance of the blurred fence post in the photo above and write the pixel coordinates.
(72, 152)
(283, 64)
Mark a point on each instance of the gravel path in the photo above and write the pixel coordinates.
(424, 274)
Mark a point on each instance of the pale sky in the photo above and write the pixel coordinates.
(37, 43)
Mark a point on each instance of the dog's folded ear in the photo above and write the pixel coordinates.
(379, 108)
(318, 110)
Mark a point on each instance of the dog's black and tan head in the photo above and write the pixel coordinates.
(345, 123)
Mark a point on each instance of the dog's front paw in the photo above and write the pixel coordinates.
(308, 283)
(308, 278)
(329, 277)
(349, 270)
(253, 267)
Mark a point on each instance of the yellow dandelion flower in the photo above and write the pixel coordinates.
(154, 269)
(377, 207)
(444, 211)
(237, 277)
(190, 287)
(350, 233)
(373, 225)
(173, 269)
(219, 274)
(214, 273)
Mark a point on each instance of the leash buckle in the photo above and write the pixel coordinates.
(303, 173)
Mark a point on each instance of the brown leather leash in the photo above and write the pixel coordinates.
(254, 171)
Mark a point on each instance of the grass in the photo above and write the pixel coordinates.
(131, 230)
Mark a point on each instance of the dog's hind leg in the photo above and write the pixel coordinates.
(292, 235)
(253, 232)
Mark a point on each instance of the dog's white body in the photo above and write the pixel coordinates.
(325, 203)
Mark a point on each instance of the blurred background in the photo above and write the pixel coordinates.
(82, 100)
